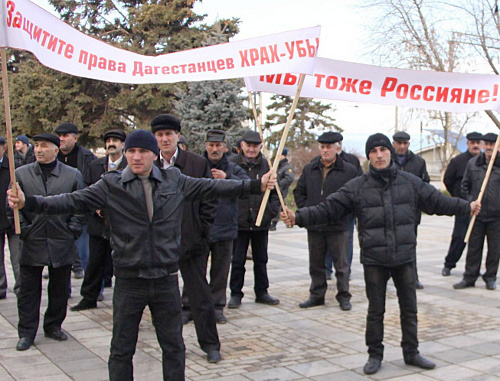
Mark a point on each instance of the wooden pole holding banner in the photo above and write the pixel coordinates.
(8, 128)
(483, 186)
(258, 121)
(280, 148)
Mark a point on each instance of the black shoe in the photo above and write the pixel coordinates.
(219, 317)
(78, 274)
(84, 304)
(372, 366)
(312, 303)
(100, 297)
(57, 335)
(24, 343)
(186, 317)
(420, 361)
(272, 228)
(234, 302)
(445, 271)
(491, 285)
(420, 286)
(213, 356)
(462, 284)
(345, 305)
(267, 299)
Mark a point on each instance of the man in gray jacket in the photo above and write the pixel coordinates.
(387, 203)
(47, 241)
(145, 206)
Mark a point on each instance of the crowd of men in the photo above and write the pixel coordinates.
(150, 208)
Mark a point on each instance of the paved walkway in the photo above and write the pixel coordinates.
(460, 330)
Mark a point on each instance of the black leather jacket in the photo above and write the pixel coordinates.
(49, 240)
(140, 244)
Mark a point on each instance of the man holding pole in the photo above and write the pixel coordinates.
(387, 203)
(487, 223)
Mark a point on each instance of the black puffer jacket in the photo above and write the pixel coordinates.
(472, 182)
(311, 189)
(49, 240)
(140, 244)
(248, 207)
(386, 204)
(225, 226)
(415, 165)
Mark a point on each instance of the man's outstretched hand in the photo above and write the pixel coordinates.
(288, 217)
(16, 201)
(267, 181)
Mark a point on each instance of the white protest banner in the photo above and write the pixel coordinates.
(347, 81)
(24, 25)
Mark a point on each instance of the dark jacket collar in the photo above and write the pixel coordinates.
(243, 161)
(385, 174)
(221, 164)
(481, 160)
(55, 172)
(128, 175)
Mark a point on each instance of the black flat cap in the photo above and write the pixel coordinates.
(490, 137)
(330, 137)
(251, 137)
(215, 136)
(165, 122)
(67, 128)
(182, 140)
(401, 136)
(22, 138)
(474, 136)
(119, 134)
(48, 137)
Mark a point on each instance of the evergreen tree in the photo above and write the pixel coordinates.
(310, 115)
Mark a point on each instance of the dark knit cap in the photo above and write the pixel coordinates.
(474, 136)
(490, 137)
(215, 136)
(119, 134)
(401, 136)
(66, 128)
(165, 122)
(330, 137)
(377, 140)
(23, 138)
(142, 139)
(48, 137)
(251, 137)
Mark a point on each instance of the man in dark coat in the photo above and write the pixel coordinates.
(407, 161)
(325, 174)
(6, 229)
(225, 227)
(487, 224)
(255, 165)
(24, 151)
(46, 241)
(73, 154)
(145, 205)
(452, 180)
(97, 225)
(197, 220)
(286, 175)
(386, 202)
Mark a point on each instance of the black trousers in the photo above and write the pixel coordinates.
(490, 230)
(457, 244)
(99, 249)
(30, 294)
(258, 240)
(130, 297)
(336, 244)
(220, 263)
(197, 290)
(376, 278)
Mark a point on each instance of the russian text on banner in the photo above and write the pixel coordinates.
(347, 81)
(26, 26)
